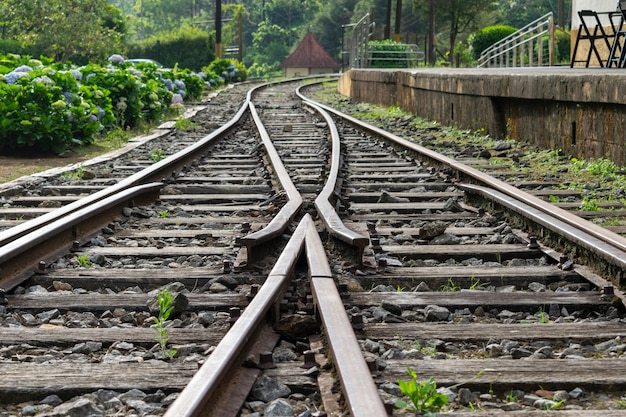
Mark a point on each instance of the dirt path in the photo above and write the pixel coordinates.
(15, 167)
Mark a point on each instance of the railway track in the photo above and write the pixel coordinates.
(312, 262)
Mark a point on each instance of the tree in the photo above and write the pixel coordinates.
(66, 29)
(520, 13)
(456, 18)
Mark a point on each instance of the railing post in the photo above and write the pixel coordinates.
(551, 50)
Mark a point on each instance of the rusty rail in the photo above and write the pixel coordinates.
(200, 396)
(286, 214)
(19, 257)
(327, 213)
(154, 173)
(360, 391)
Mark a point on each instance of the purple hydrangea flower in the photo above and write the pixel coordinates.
(179, 84)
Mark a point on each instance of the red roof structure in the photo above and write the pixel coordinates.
(309, 58)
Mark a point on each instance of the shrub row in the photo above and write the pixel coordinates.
(51, 107)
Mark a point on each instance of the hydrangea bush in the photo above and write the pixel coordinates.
(51, 107)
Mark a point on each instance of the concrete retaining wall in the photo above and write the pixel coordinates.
(581, 111)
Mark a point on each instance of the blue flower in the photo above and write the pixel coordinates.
(23, 68)
(179, 84)
(182, 93)
(177, 99)
(12, 77)
(78, 76)
(116, 59)
(202, 75)
(68, 96)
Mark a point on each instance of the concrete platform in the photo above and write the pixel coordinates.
(579, 110)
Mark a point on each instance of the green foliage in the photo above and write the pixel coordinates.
(227, 71)
(50, 107)
(83, 261)
(423, 395)
(157, 155)
(165, 299)
(562, 45)
(81, 31)
(450, 286)
(484, 38)
(184, 47)
(589, 204)
(389, 54)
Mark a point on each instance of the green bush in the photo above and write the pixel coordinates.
(484, 38)
(227, 71)
(187, 47)
(47, 110)
(388, 54)
(562, 45)
(50, 107)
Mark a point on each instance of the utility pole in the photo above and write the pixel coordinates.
(387, 34)
(432, 40)
(396, 35)
(240, 37)
(218, 29)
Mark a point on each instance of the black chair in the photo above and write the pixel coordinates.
(617, 57)
(588, 20)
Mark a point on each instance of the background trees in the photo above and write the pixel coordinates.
(92, 29)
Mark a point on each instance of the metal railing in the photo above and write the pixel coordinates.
(359, 44)
(531, 46)
(396, 55)
(365, 54)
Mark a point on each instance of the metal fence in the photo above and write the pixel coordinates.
(366, 54)
(531, 46)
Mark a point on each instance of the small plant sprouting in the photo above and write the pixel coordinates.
(157, 155)
(186, 125)
(510, 397)
(164, 214)
(474, 283)
(543, 316)
(423, 395)
(165, 299)
(76, 174)
(449, 286)
(83, 261)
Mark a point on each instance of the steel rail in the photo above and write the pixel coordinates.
(21, 256)
(360, 391)
(585, 240)
(326, 211)
(279, 223)
(196, 398)
(566, 217)
(155, 172)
